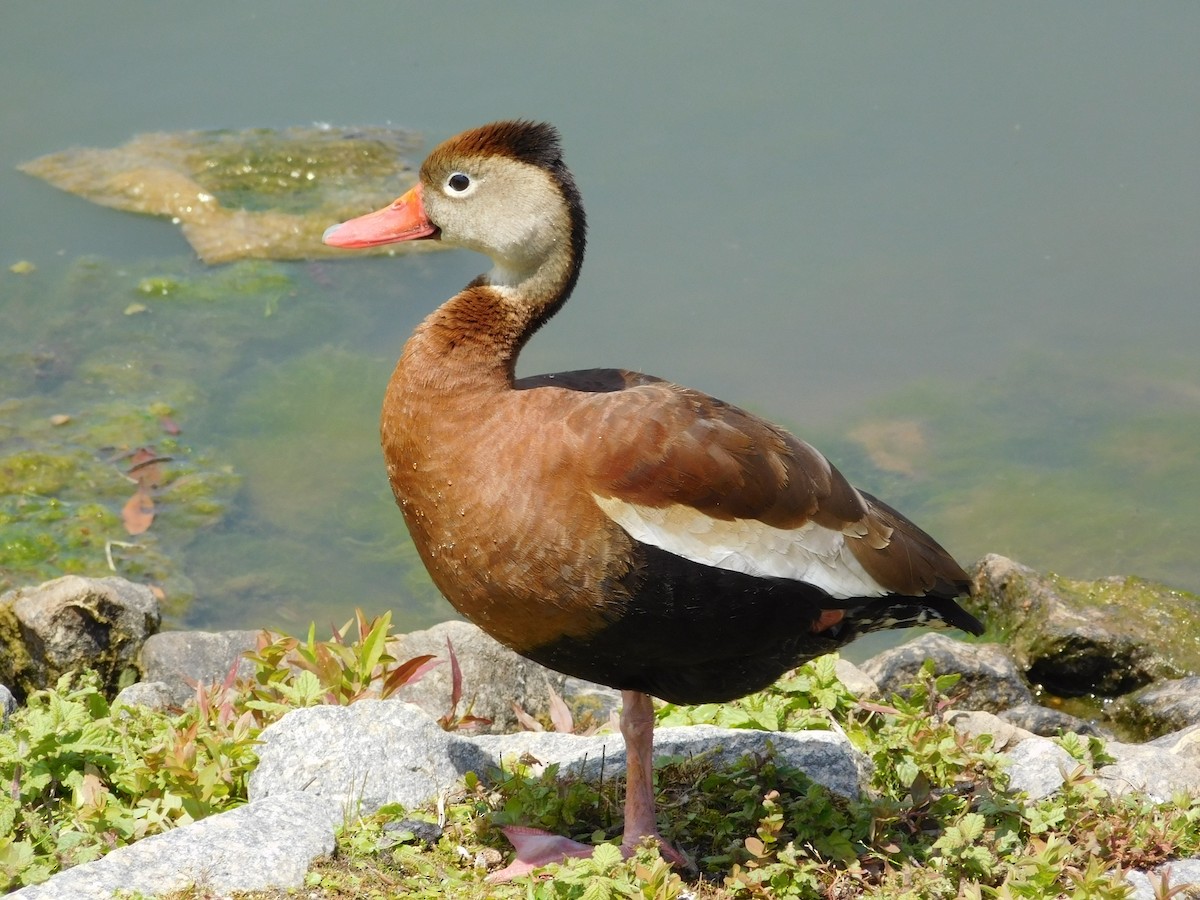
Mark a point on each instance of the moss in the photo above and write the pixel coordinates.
(34, 472)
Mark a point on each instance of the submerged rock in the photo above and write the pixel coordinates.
(1160, 708)
(258, 193)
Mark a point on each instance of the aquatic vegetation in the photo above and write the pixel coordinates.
(252, 194)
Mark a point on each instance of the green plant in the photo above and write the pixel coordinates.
(290, 673)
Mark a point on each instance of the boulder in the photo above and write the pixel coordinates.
(1105, 637)
(181, 659)
(493, 677)
(826, 757)
(362, 756)
(1184, 744)
(990, 681)
(268, 844)
(1153, 770)
(72, 623)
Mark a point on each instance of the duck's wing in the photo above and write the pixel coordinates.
(710, 482)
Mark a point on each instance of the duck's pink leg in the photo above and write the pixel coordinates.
(539, 848)
(637, 727)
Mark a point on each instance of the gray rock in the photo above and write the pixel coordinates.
(270, 843)
(8, 702)
(1038, 766)
(1183, 744)
(150, 694)
(824, 756)
(1152, 770)
(1105, 637)
(855, 680)
(1004, 734)
(1181, 873)
(493, 677)
(1050, 722)
(362, 756)
(72, 623)
(588, 700)
(1161, 708)
(181, 659)
(990, 681)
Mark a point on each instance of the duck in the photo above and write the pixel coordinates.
(610, 525)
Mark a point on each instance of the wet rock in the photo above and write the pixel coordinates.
(1048, 722)
(493, 677)
(1160, 708)
(1105, 637)
(72, 623)
(990, 681)
(181, 659)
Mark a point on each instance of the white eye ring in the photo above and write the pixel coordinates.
(459, 184)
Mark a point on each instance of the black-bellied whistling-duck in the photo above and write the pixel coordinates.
(607, 524)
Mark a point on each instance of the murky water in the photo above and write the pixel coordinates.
(956, 247)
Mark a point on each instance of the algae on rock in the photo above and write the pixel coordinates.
(257, 193)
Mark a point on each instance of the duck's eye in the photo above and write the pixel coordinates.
(458, 182)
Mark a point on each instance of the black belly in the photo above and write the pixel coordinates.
(690, 633)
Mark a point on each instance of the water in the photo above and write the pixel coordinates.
(965, 234)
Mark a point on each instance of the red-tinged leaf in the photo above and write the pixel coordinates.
(560, 714)
(408, 672)
(169, 425)
(868, 706)
(455, 677)
(528, 722)
(138, 512)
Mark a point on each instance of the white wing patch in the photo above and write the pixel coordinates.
(810, 553)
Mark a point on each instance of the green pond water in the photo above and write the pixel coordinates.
(955, 248)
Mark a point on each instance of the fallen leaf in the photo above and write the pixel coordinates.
(60, 419)
(145, 467)
(138, 512)
(169, 425)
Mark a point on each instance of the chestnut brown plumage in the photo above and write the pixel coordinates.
(608, 524)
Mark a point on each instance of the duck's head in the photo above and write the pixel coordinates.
(501, 189)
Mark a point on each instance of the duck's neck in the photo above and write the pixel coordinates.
(474, 338)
